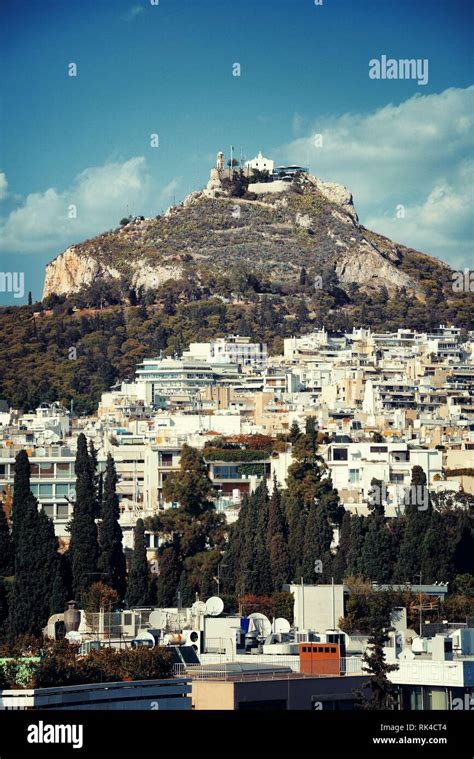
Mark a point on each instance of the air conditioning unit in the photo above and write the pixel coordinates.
(193, 638)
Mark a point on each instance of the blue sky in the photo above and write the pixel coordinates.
(167, 69)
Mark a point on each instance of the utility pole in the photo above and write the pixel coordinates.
(421, 614)
(302, 601)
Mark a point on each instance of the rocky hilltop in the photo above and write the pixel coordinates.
(270, 229)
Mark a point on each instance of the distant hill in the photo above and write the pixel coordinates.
(267, 261)
(271, 235)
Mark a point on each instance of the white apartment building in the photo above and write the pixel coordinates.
(229, 350)
(354, 465)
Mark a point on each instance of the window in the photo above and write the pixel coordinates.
(45, 490)
(333, 649)
(339, 454)
(378, 449)
(46, 469)
(49, 510)
(353, 476)
(62, 510)
(304, 649)
(63, 489)
(63, 469)
(166, 459)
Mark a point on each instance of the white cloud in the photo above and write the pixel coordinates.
(3, 185)
(133, 12)
(417, 154)
(101, 195)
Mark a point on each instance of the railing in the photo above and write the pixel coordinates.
(224, 669)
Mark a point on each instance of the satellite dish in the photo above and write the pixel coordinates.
(260, 623)
(214, 606)
(198, 607)
(55, 438)
(157, 619)
(41, 451)
(281, 625)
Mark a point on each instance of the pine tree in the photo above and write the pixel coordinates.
(6, 546)
(277, 541)
(111, 559)
(138, 588)
(294, 433)
(83, 547)
(379, 694)
(191, 486)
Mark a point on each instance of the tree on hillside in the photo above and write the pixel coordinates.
(138, 587)
(111, 559)
(83, 547)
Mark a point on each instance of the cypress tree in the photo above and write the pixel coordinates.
(296, 533)
(36, 567)
(417, 518)
(6, 547)
(247, 581)
(21, 493)
(277, 541)
(317, 543)
(354, 564)
(232, 565)
(111, 559)
(138, 588)
(168, 580)
(340, 560)
(264, 584)
(35, 559)
(97, 479)
(83, 547)
(376, 550)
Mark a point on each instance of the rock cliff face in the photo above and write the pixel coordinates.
(272, 233)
